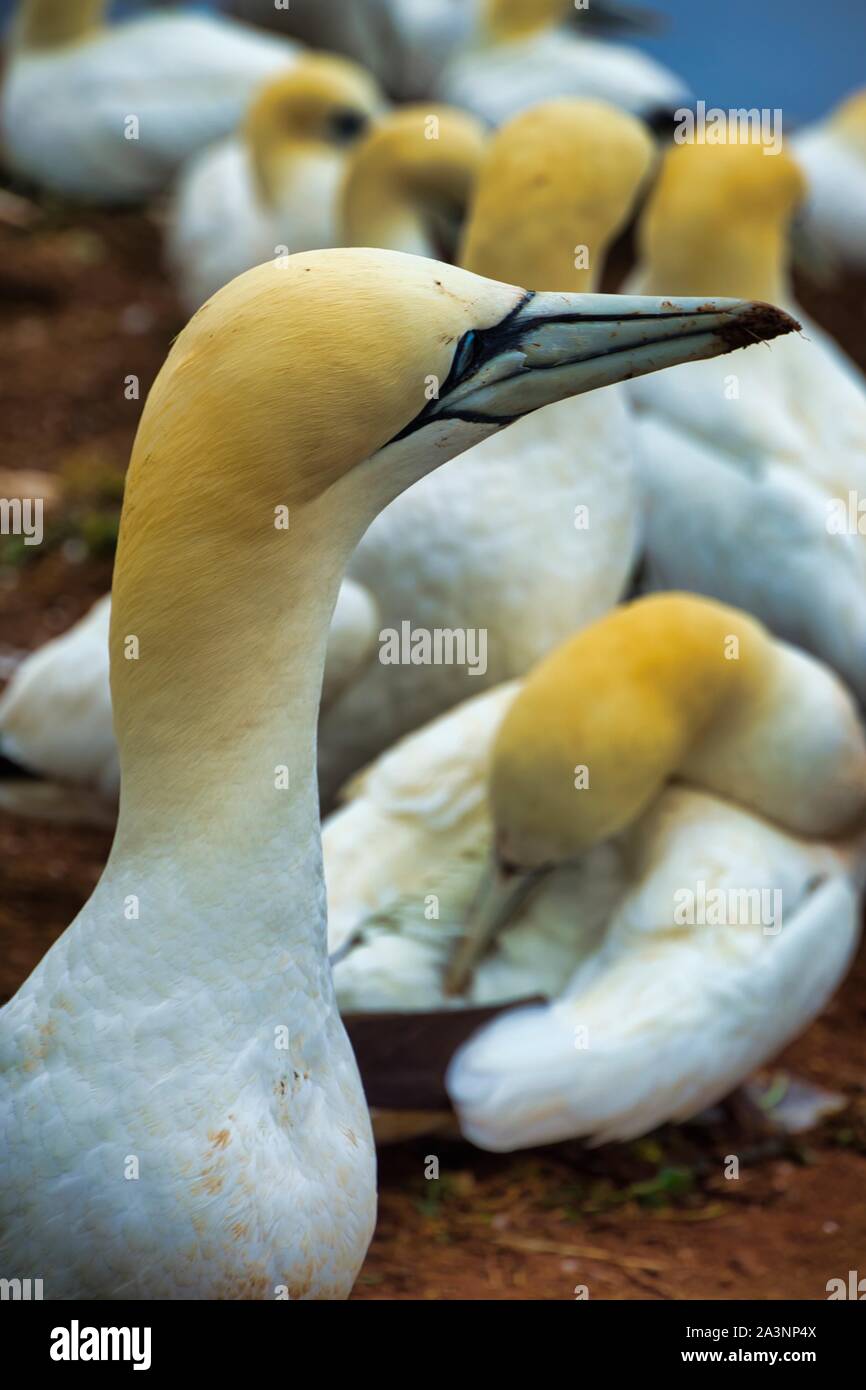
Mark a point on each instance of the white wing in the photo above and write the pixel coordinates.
(664, 1019)
(499, 81)
(55, 715)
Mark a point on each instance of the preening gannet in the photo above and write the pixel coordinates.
(655, 831)
(521, 54)
(538, 530)
(108, 114)
(180, 1110)
(753, 471)
(271, 189)
(832, 220)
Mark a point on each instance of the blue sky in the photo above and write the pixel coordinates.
(802, 55)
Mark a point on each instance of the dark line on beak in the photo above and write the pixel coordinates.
(760, 323)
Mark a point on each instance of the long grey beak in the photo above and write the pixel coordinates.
(557, 345)
(500, 895)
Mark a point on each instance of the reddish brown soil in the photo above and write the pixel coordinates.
(83, 304)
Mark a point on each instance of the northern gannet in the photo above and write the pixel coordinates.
(481, 47)
(409, 183)
(654, 832)
(496, 551)
(108, 114)
(750, 469)
(521, 54)
(272, 188)
(406, 43)
(180, 1110)
(832, 221)
(405, 188)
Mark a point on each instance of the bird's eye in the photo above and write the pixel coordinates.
(464, 355)
(347, 125)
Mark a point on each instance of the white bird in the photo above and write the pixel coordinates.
(521, 54)
(493, 56)
(108, 114)
(753, 472)
(180, 1110)
(832, 221)
(406, 43)
(273, 187)
(408, 185)
(539, 529)
(654, 832)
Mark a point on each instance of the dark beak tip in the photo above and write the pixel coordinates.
(758, 322)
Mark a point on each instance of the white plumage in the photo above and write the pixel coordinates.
(497, 80)
(832, 224)
(110, 117)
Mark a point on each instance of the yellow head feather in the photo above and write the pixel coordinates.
(558, 183)
(418, 165)
(324, 103)
(519, 19)
(625, 699)
(717, 221)
(49, 23)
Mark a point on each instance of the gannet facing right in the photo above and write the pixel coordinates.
(522, 54)
(407, 185)
(659, 831)
(409, 43)
(275, 184)
(180, 1110)
(750, 468)
(107, 114)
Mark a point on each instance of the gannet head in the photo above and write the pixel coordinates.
(717, 220)
(348, 361)
(850, 121)
(408, 183)
(574, 168)
(321, 106)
